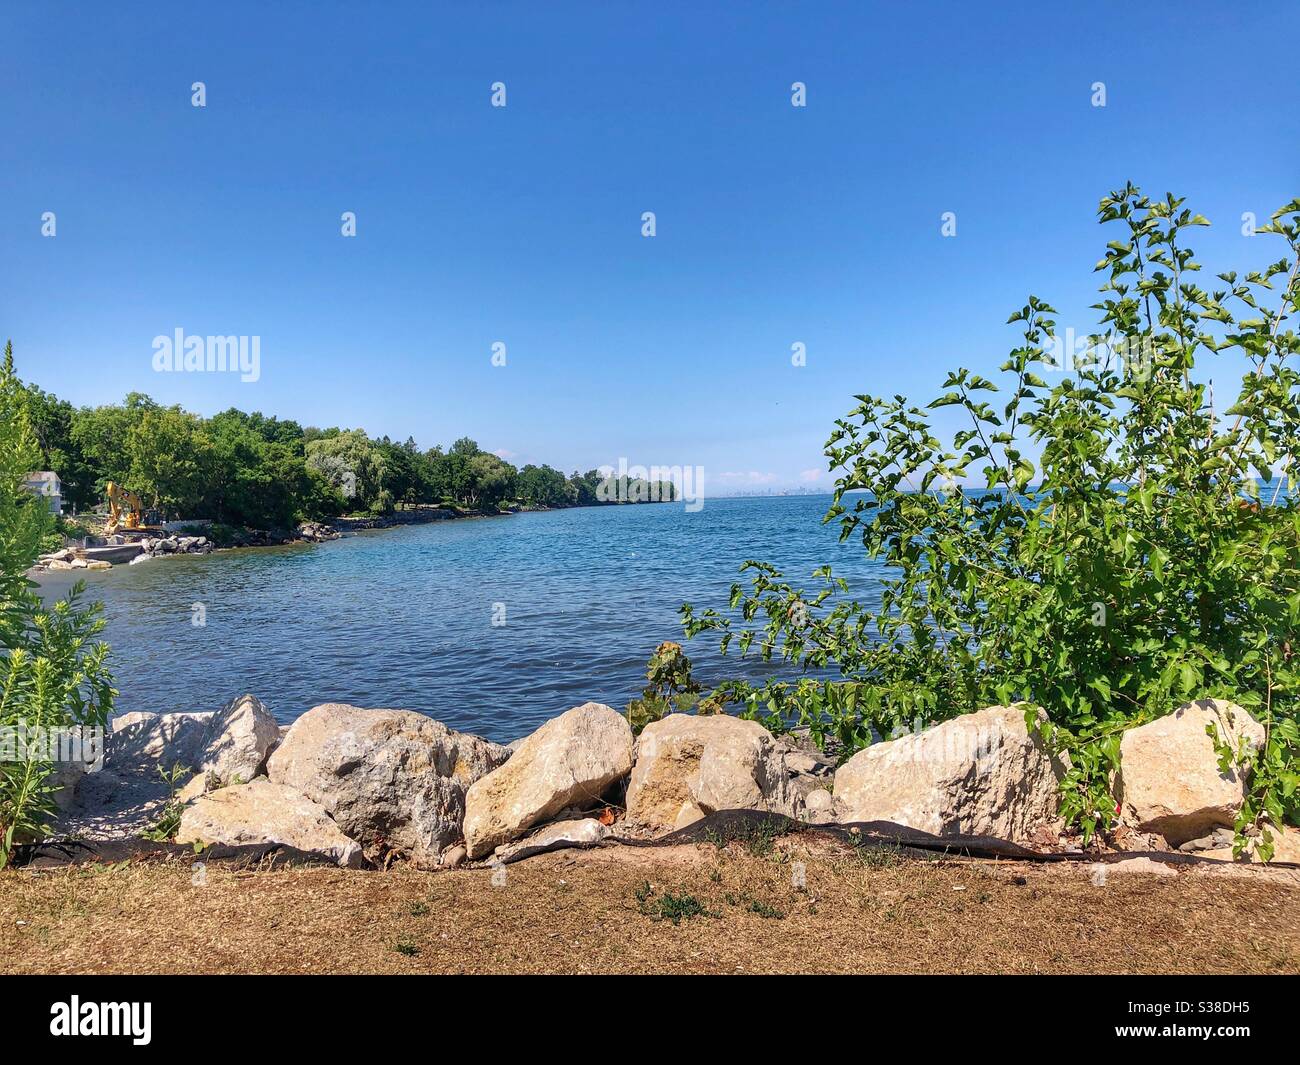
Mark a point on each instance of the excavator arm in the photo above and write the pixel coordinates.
(118, 500)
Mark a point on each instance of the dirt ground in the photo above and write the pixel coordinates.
(688, 909)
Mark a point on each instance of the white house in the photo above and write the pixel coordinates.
(46, 483)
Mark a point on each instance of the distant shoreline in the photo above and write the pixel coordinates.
(315, 532)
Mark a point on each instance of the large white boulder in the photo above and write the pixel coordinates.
(984, 774)
(263, 812)
(236, 742)
(572, 759)
(394, 780)
(1169, 779)
(689, 766)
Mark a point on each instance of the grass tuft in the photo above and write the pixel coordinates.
(669, 906)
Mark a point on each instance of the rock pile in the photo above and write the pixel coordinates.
(66, 559)
(176, 545)
(315, 532)
(362, 784)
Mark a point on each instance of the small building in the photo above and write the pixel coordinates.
(46, 483)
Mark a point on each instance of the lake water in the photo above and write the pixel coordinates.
(404, 617)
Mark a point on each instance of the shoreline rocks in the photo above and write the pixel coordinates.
(571, 759)
(394, 780)
(168, 739)
(263, 812)
(234, 748)
(128, 795)
(982, 774)
(375, 784)
(316, 532)
(688, 767)
(1169, 779)
(152, 547)
(307, 532)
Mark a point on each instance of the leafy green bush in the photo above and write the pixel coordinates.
(59, 532)
(52, 673)
(671, 689)
(168, 822)
(1139, 562)
(71, 528)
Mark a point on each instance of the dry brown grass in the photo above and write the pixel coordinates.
(579, 912)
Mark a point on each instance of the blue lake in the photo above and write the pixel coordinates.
(404, 617)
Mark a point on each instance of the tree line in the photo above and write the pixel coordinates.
(269, 473)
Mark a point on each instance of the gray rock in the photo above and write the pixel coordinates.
(802, 758)
(237, 741)
(979, 774)
(128, 795)
(143, 742)
(394, 780)
(1219, 838)
(262, 812)
(571, 759)
(819, 807)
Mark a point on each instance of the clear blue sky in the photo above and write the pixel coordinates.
(476, 224)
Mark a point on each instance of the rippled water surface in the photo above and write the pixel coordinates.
(403, 617)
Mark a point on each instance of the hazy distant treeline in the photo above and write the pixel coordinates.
(267, 472)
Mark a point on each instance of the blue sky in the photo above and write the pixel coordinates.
(522, 224)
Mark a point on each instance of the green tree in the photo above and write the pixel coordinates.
(258, 472)
(490, 480)
(403, 471)
(101, 434)
(170, 460)
(433, 476)
(583, 487)
(542, 486)
(52, 421)
(352, 465)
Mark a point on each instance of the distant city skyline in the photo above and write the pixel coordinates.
(684, 234)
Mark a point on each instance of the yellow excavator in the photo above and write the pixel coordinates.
(125, 509)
